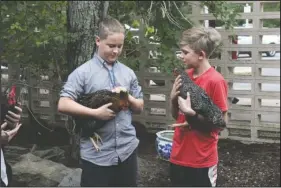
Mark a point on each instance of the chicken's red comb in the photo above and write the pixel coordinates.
(12, 96)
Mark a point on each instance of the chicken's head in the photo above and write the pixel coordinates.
(12, 96)
(177, 71)
(124, 99)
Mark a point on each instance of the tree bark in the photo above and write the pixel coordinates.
(83, 18)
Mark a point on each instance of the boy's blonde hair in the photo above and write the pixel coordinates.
(201, 38)
(109, 26)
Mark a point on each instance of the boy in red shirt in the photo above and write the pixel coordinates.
(194, 155)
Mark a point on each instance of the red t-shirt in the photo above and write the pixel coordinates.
(190, 147)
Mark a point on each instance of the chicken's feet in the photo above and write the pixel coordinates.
(95, 140)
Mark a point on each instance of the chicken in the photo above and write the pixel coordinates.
(8, 104)
(201, 104)
(88, 126)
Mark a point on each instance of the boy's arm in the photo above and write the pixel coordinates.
(70, 107)
(71, 91)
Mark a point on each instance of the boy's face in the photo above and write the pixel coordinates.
(110, 48)
(190, 58)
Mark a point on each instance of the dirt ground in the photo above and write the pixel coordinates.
(240, 165)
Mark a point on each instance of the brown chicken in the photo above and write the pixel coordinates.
(88, 126)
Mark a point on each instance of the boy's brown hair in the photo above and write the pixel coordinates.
(108, 26)
(200, 38)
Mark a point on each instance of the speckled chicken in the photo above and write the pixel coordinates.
(95, 100)
(201, 104)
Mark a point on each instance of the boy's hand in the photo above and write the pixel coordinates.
(175, 90)
(185, 105)
(104, 113)
(12, 118)
(10, 133)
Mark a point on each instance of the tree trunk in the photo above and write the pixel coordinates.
(83, 18)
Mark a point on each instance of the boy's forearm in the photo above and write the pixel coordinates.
(72, 108)
(136, 105)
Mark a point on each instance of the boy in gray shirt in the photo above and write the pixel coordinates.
(116, 162)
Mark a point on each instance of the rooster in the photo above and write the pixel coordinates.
(8, 103)
(89, 126)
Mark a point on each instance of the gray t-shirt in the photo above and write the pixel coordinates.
(118, 135)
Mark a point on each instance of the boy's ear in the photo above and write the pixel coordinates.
(98, 40)
(202, 55)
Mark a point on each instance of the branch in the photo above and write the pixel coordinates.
(166, 12)
(57, 68)
(181, 13)
(150, 9)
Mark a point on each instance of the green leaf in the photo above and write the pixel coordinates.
(136, 24)
(38, 43)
